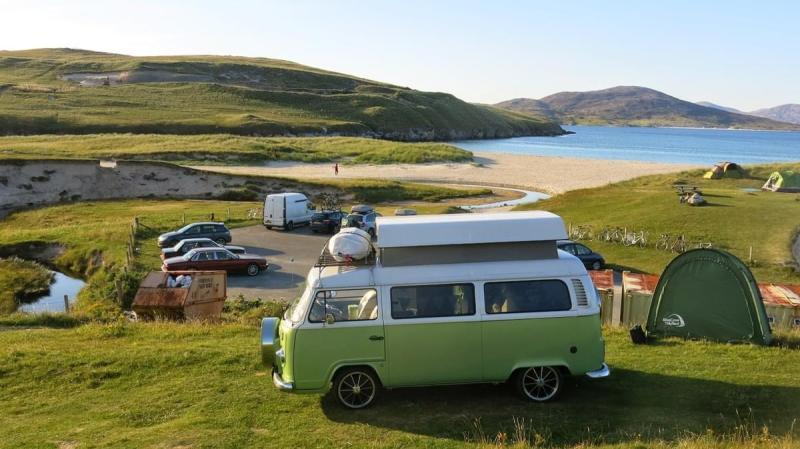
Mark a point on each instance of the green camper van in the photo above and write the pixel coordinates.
(449, 299)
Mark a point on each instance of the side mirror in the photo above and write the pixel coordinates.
(329, 318)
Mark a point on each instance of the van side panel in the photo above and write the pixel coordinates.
(321, 350)
(433, 353)
(509, 344)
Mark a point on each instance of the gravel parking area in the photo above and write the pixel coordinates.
(290, 256)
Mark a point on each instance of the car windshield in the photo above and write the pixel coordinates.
(190, 253)
(352, 220)
(184, 229)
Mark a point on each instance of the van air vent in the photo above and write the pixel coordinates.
(580, 293)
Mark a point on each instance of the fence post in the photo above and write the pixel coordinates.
(212, 216)
(750, 257)
(183, 218)
(66, 304)
(228, 216)
(120, 295)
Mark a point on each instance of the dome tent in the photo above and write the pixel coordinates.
(725, 170)
(708, 293)
(783, 181)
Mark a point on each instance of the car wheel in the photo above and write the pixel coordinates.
(289, 226)
(596, 265)
(355, 388)
(221, 241)
(269, 228)
(253, 269)
(539, 383)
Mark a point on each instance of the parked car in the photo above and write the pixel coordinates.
(365, 222)
(591, 260)
(287, 211)
(186, 245)
(362, 209)
(326, 221)
(400, 323)
(217, 232)
(208, 259)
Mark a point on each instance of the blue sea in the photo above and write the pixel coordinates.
(677, 145)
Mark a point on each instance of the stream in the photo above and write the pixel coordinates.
(53, 301)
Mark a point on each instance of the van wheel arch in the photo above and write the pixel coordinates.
(338, 369)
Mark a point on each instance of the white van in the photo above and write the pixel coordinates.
(287, 210)
(447, 299)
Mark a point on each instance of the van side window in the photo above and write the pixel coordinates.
(345, 305)
(426, 301)
(526, 296)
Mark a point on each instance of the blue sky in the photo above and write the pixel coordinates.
(736, 53)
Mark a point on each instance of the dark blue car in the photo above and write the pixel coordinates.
(591, 260)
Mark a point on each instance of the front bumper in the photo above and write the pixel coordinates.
(604, 371)
(279, 382)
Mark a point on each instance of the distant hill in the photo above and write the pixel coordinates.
(637, 106)
(65, 91)
(720, 107)
(789, 113)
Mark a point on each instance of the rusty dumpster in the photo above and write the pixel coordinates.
(202, 296)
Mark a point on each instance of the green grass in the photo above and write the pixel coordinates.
(21, 279)
(194, 385)
(247, 96)
(227, 149)
(734, 220)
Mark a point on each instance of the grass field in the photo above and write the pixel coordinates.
(227, 149)
(247, 96)
(193, 385)
(734, 219)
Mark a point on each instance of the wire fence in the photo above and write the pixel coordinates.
(669, 242)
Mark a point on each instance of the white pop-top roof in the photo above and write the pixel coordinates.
(464, 229)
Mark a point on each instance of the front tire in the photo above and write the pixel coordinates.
(253, 269)
(269, 228)
(355, 388)
(539, 383)
(221, 242)
(289, 226)
(596, 265)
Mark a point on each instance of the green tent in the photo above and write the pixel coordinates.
(708, 293)
(783, 181)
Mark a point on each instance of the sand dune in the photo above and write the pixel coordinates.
(540, 173)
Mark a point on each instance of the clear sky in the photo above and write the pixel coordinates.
(735, 53)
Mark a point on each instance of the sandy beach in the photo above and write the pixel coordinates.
(539, 173)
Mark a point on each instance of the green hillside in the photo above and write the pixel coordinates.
(66, 91)
(219, 149)
(636, 106)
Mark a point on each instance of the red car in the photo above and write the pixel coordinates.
(209, 259)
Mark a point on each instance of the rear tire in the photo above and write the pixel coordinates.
(221, 241)
(596, 265)
(253, 269)
(269, 228)
(289, 226)
(539, 383)
(355, 388)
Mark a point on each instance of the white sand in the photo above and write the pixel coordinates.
(540, 173)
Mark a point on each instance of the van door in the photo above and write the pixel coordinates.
(344, 327)
(433, 335)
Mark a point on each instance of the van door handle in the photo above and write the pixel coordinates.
(376, 337)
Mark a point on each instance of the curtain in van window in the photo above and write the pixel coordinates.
(526, 296)
(427, 301)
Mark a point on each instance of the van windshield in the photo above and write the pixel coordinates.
(294, 314)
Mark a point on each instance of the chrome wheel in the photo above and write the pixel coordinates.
(252, 269)
(539, 383)
(355, 388)
(221, 242)
(597, 265)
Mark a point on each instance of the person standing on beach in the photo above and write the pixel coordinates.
(336, 169)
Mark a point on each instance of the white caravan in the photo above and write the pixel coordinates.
(287, 210)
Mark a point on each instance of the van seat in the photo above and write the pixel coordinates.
(368, 306)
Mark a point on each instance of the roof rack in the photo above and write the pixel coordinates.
(326, 259)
